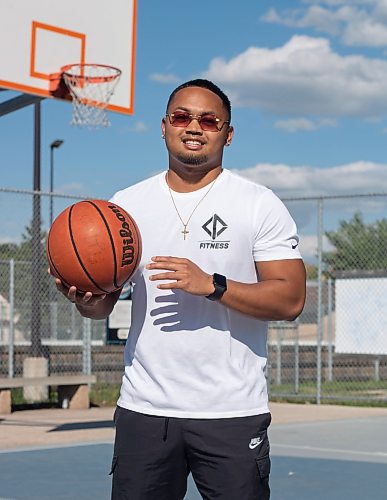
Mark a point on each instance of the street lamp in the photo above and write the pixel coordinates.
(54, 144)
(53, 304)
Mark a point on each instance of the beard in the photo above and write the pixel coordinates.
(189, 159)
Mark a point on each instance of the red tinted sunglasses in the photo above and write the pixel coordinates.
(207, 122)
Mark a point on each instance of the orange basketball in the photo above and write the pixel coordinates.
(94, 245)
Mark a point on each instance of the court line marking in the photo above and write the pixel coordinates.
(330, 450)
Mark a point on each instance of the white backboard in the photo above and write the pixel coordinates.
(38, 37)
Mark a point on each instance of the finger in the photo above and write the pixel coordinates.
(163, 258)
(60, 286)
(72, 293)
(170, 286)
(86, 297)
(166, 276)
(165, 265)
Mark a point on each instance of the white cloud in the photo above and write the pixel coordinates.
(301, 186)
(304, 77)
(317, 17)
(361, 23)
(7, 239)
(293, 181)
(303, 124)
(168, 78)
(342, 2)
(138, 127)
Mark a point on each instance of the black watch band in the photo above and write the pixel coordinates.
(220, 284)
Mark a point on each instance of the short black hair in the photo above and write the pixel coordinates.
(204, 84)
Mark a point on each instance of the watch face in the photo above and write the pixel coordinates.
(220, 280)
(220, 284)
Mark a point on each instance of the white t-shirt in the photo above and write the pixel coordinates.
(187, 356)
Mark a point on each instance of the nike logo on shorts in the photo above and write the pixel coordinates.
(254, 443)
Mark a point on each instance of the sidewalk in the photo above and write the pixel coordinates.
(40, 428)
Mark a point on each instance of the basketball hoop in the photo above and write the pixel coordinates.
(91, 87)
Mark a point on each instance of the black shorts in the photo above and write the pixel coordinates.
(228, 458)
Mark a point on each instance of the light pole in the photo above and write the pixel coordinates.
(51, 293)
(54, 145)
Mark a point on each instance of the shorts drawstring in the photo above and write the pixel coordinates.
(166, 423)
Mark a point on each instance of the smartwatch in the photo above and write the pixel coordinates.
(220, 284)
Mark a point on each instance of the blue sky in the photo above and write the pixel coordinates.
(307, 80)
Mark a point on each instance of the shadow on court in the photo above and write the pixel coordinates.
(78, 426)
(72, 426)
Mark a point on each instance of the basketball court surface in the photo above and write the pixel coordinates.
(324, 452)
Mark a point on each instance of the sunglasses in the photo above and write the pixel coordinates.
(207, 122)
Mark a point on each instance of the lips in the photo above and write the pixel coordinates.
(193, 143)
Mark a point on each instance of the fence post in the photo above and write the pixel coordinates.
(330, 331)
(11, 330)
(279, 360)
(53, 308)
(320, 229)
(86, 354)
(377, 369)
(296, 361)
(73, 325)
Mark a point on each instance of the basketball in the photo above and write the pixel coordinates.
(94, 245)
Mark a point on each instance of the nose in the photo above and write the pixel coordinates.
(194, 127)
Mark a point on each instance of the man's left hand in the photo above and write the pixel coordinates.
(182, 274)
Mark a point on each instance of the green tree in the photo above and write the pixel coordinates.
(357, 245)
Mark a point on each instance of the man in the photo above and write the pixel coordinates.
(220, 259)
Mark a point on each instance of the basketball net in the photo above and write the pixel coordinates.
(91, 87)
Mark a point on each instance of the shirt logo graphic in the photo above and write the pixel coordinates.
(255, 442)
(214, 227)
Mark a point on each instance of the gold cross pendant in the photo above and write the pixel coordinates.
(185, 231)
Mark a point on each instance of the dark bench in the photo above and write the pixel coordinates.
(71, 388)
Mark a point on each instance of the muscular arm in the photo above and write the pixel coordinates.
(279, 294)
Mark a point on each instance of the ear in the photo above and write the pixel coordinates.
(163, 127)
(230, 134)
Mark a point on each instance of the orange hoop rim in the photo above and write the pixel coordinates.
(82, 78)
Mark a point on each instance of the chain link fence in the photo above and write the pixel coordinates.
(335, 351)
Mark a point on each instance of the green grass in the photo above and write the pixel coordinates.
(352, 393)
(102, 394)
(19, 403)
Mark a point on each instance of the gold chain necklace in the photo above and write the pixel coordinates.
(185, 224)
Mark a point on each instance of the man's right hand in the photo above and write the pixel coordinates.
(82, 299)
(88, 304)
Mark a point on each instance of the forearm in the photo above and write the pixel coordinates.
(271, 300)
(279, 294)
